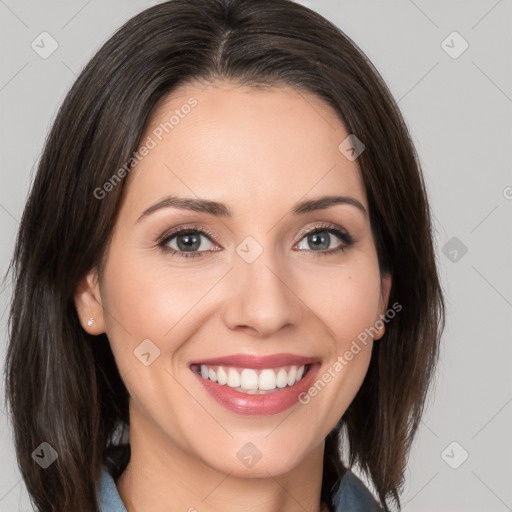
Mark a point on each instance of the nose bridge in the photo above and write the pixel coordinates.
(262, 297)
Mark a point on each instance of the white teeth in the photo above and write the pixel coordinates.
(233, 378)
(222, 376)
(291, 376)
(282, 378)
(267, 380)
(252, 381)
(249, 379)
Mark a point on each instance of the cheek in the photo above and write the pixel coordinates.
(147, 296)
(135, 296)
(345, 297)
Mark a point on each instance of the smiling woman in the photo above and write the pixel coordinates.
(257, 286)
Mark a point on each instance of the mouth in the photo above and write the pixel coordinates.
(256, 385)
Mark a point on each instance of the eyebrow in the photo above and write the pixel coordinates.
(221, 210)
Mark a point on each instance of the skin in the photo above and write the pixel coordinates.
(259, 152)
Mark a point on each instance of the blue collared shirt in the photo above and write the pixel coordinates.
(351, 496)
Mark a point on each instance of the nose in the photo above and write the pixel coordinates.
(262, 299)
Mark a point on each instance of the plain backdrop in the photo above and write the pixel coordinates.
(457, 102)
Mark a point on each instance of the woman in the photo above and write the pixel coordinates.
(224, 269)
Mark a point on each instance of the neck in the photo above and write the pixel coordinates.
(162, 477)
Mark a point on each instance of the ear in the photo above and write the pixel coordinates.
(88, 304)
(386, 281)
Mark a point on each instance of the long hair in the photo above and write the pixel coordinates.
(62, 385)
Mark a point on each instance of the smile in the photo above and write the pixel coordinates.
(252, 381)
(256, 385)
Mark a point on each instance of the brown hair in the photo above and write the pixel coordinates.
(62, 385)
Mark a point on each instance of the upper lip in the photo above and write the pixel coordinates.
(257, 362)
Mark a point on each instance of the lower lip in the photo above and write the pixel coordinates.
(261, 405)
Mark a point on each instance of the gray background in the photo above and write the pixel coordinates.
(459, 114)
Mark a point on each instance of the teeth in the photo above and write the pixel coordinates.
(253, 381)
(282, 378)
(249, 379)
(222, 376)
(292, 374)
(233, 378)
(267, 380)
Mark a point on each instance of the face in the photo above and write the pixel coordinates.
(253, 285)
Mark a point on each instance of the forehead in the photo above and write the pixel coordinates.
(247, 147)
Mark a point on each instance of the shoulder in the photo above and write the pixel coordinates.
(353, 496)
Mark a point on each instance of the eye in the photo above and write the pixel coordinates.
(320, 238)
(187, 242)
(192, 242)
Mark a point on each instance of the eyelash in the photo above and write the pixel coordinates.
(346, 238)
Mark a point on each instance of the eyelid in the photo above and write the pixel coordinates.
(326, 225)
(191, 227)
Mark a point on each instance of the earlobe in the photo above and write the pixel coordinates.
(88, 304)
